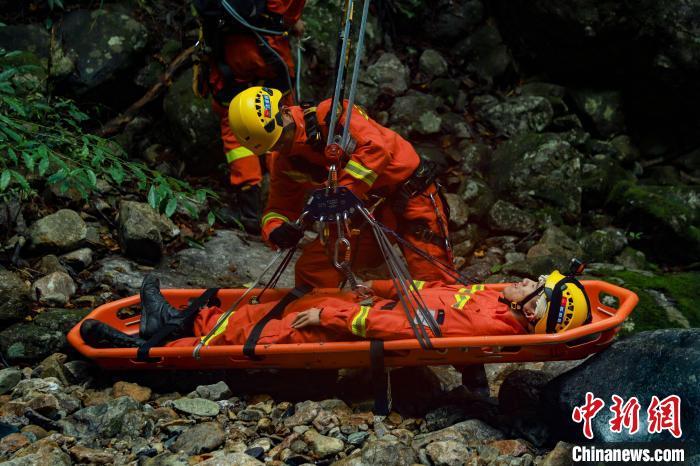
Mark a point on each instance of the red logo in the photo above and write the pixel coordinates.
(625, 415)
(587, 412)
(661, 415)
(665, 415)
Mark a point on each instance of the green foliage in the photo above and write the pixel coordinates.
(42, 142)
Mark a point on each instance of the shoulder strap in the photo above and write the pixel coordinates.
(142, 354)
(314, 137)
(275, 313)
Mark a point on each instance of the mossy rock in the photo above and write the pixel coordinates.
(536, 170)
(193, 125)
(665, 300)
(28, 342)
(599, 176)
(666, 216)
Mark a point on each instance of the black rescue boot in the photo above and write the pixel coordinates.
(100, 335)
(157, 312)
(250, 205)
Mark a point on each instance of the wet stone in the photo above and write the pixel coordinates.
(9, 378)
(200, 439)
(135, 391)
(196, 406)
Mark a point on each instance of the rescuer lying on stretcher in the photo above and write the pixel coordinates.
(553, 304)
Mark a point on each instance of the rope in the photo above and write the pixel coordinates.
(355, 74)
(410, 298)
(433, 260)
(257, 31)
(341, 72)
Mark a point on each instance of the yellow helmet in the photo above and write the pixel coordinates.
(255, 118)
(567, 304)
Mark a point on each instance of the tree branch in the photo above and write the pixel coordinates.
(116, 124)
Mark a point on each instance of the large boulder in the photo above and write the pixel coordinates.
(64, 230)
(193, 125)
(539, 171)
(14, 297)
(554, 242)
(504, 217)
(228, 260)
(102, 43)
(484, 53)
(668, 212)
(26, 342)
(432, 63)
(446, 20)
(603, 245)
(641, 39)
(32, 38)
(602, 109)
(143, 231)
(54, 289)
(117, 417)
(414, 111)
(515, 115)
(389, 75)
(671, 358)
(599, 175)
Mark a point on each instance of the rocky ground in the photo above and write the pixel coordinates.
(552, 152)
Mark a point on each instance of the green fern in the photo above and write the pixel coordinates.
(42, 143)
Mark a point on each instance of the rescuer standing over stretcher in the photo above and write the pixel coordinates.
(380, 167)
(232, 58)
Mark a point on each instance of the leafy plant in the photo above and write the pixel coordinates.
(42, 141)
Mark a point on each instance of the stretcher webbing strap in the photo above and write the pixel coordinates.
(142, 354)
(380, 381)
(274, 313)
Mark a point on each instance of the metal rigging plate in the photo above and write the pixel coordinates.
(325, 204)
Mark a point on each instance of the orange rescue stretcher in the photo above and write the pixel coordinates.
(459, 351)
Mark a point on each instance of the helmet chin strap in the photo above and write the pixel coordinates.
(519, 305)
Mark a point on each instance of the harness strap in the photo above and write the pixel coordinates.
(380, 383)
(142, 354)
(274, 313)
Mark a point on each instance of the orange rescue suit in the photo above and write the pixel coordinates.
(466, 311)
(243, 56)
(379, 164)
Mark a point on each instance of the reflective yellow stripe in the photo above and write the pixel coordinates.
(476, 288)
(272, 215)
(462, 290)
(419, 284)
(359, 322)
(461, 301)
(361, 111)
(218, 332)
(298, 177)
(361, 172)
(238, 153)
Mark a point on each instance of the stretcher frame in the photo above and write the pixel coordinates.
(459, 351)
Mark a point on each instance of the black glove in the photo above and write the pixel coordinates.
(286, 235)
